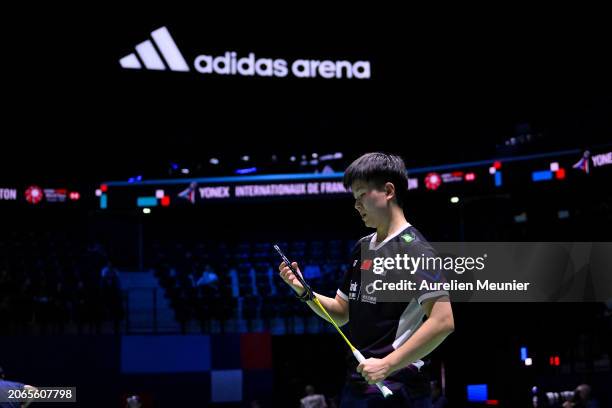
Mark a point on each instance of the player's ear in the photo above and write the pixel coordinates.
(389, 190)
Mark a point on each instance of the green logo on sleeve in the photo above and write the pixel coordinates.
(408, 237)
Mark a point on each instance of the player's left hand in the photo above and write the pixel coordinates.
(374, 370)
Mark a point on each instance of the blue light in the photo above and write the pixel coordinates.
(477, 392)
(498, 179)
(523, 353)
(131, 180)
(541, 175)
(174, 354)
(103, 201)
(246, 171)
(138, 178)
(146, 202)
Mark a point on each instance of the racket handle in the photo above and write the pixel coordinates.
(386, 392)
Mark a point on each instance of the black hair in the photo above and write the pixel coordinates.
(378, 169)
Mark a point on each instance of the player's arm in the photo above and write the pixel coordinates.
(29, 400)
(433, 331)
(336, 307)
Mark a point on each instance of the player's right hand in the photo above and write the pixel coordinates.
(289, 278)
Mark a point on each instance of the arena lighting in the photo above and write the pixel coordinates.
(477, 392)
(432, 181)
(185, 171)
(146, 202)
(146, 210)
(498, 179)
(470, 176)
(214, 161)
(528, 362)
(245, 158)
(522, 217)
(541, 175)
(560, 174)
(454, 200)
(554, 361)
(247, 171)
(292, 158)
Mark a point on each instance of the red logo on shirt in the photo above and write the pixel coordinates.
(366, 264)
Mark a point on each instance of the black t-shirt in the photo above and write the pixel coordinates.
(378, 328)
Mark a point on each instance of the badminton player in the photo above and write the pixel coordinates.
(393, 336)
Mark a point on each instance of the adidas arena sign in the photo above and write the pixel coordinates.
(161, 53)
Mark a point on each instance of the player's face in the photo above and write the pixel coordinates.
(370, 202)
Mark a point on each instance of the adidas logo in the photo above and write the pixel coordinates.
(151, 59)
(230, 63)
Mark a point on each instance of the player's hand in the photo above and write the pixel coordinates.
(374, 370)
(289, 277)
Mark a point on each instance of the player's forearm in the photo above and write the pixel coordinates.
(332, 307)
(27, 403)
(426, 339)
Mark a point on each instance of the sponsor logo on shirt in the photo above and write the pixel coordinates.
(408, 238)
(353, 291)
(368, 299)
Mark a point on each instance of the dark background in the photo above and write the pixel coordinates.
(443, 90)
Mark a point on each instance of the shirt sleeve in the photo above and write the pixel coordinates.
(435, 275)
(345, 285)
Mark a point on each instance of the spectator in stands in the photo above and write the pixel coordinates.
(109, 275)
(312, 400)
(82, 307)
(133, 402)
(60, 308)
(111, 306)
(583, 398)
(208, 278)
(233, 275)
